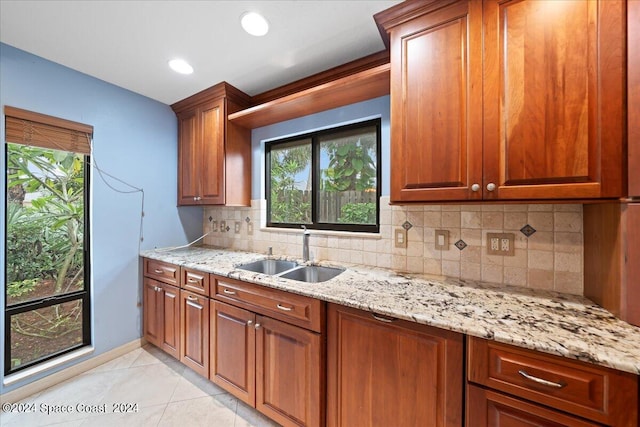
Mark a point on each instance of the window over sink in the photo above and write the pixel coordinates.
(326, 180)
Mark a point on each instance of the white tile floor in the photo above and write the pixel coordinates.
(165, 391)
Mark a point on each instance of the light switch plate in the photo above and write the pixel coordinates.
(223, 226)
(236, 227)
(400, 237)
(442, 240)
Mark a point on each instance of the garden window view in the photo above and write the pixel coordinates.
(46, 292)
(326, 180)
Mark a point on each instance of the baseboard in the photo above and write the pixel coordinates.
(72, 371)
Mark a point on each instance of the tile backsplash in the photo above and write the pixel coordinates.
(550, 258)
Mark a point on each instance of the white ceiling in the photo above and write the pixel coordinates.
(128, 43)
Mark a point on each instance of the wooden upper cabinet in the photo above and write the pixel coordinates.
(633, 95)
(214, 155)
(554, 73)
(507, 99)
(436, 112)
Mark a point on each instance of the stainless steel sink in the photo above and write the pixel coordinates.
(312, 273)
(269, 266)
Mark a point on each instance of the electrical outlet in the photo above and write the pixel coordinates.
(214, 225)
(401, 238)
(442, 240)
(250, 228)
(223, 226)
(501, 244)
(236, 227)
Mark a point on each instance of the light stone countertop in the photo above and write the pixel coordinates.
(560, 324)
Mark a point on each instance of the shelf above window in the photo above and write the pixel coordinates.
(361, 86)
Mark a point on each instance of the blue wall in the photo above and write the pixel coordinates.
(135, 140)
(378, 107)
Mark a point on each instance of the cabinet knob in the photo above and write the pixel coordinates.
(475, 187)
(491, 186)
(157, 289)
(198, 198)
(192, 298)
(249, 322)
(195, 198)
(257, 326)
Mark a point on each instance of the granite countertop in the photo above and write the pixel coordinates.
(560, 324)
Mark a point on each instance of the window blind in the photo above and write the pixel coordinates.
(29, 128)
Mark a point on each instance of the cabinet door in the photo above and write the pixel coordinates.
(391, 373)
(189, 159)
(436, 105)
(212, 119)
(553, 98)
(289, 373)
(632, 264)
(633, 95)
(486, 408)
(194, 332)
(153, 312)
(171, 320)
(233, 350)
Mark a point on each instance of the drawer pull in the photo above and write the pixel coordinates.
(192, 280)
(228, 292)
(283, 308)
(158, 271)
(157, 289)
(192, 298)
(540, 380)
(249, 322)
(383, 319)
(257, 326)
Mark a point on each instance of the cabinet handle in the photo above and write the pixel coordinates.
(283, 308)
(475, 187)
(158, 271)
(195, 198)
(228, 292)
(540, 380)
(157, 289)
(192, 280)
(383, 319)
(257, 326)
(192, 298)
(249, 322)
(491, 186)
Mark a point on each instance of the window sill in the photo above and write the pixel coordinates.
(329, 233)
(45, 366)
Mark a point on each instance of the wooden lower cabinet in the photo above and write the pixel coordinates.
(487, 408)
(391, 373)
(233, 350)
(271, 365)
(162, 316)
(194, 332)
(289, 373)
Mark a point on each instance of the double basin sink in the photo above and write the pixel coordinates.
(291, 270)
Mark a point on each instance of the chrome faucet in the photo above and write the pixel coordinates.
(305, 244)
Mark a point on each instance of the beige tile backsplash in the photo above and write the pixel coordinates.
(551, 258)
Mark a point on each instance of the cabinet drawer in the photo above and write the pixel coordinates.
(600, 394)
(291, 308)
(489, 408)
(163, 271)
(194, 281)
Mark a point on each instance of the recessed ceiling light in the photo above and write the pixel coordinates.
(180, 66)
(254, 23)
